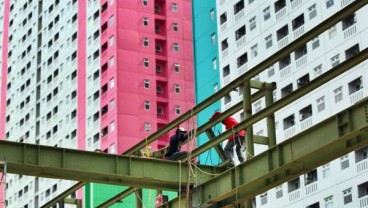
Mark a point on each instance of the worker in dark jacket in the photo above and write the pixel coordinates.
(174, 150)
(236, 140)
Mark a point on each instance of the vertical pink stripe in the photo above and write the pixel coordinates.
(4, 68)
(81, 74)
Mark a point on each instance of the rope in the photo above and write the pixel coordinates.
(204, 172)
(179, 183)
(139, 199)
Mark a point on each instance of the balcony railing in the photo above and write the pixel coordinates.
(301, 61)
(283, 42)
(225, 53)
(311, 188)
(344, 3)
(223, 26)
(285, 71)
(363, 201)
(227, 80)
(242, 69)
(356, 96)
(289, 132)
(294, 195)
(306, 123)
(362, 165)
(240, 41)
(348, 32)
(299, 31)
(281, 13)
(239, 15)
(295, 3)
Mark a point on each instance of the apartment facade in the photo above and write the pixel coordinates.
(90, 75)
(250, 31)
(206, 63)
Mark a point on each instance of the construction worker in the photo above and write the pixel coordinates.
(236, 140)
(174, 150)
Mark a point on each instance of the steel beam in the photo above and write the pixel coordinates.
(66, 193)
(70, 164)
(314, 84)
(314, 32)
(325, 141)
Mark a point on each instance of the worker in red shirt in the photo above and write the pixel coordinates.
(236, 140)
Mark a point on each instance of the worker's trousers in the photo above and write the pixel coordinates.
(238, 143)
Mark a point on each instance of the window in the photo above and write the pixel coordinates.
(176, 47)
(147, 127)
(147, 105)
(362, 191)
(302, 81)
(177, 88)
(174, 7)
(213, 39)
(145, 21)
(286, 90)
(298, 22)
(254, 50)
(326, 170)
(347, 196)
(293, 185)
(177, 110)
(335, 60)
(320, 103)
(289, 121)
(282, 32)
(238, 6)
(111, 61)
(271, 71)
(241, 60)
(224, 45)
(263, 198)
(268, 41)
(111, 20)
(240, 32)
(349, 21)
(145, 42)
(214, 64)
(176, 67)
(112, 83)
(160, 110)
(175, 27)
(146, 62)
(212, 14)
(310, 177)
(332, 32)
(279, 5)
(312, 11)
(344, 162)
(355, 85)
(329, 3)
(305, 113)
(266, 13)
(279, 192)
(315, 43)
(352, 51)
(361, 154)
(223, 18)
(145, 2)
(329, 202)
(146, 83)
(315, 205)
(111, 40)
(252, 23)
(226, 71)
(338, 94)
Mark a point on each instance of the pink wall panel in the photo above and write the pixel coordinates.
(187, 30)
(127, 39)
(127, 61)
(128, 103)
(188, 46)
(127, 18)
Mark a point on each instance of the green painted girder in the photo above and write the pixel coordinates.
(70, 164)
(326, 141)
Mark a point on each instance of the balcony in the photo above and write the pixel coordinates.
(363, 201)
(283, 42)
(299, 32)
(239, 15)
(242, 69)
(348, 32)
(311, 188)
(289, 132)
(356, 96)
(301, 61)
(285, 71)
(240, 41)
(223, 26)
(227, 80)
(362, 165)
(344, 3)
(225, 53)
(306, 123)
(295, 3)
(281, 13)
(294, 195)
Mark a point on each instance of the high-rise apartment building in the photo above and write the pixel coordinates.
(250, 31)
(207, 80)
(90, 75)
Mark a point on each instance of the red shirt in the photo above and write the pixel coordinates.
(229, 122)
